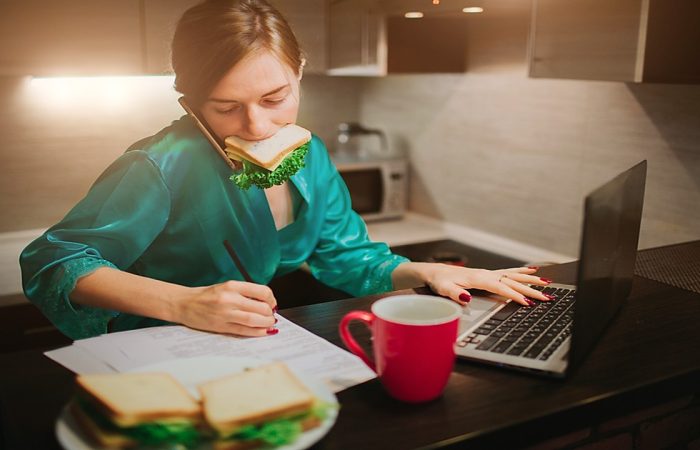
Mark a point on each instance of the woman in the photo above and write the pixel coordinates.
(144, 246)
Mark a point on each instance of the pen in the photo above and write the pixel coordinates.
(237, 262)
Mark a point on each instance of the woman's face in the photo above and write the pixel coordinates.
(257, 97)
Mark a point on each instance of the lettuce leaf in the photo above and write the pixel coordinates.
(282, 431)
(156, 433)
(254, 175)
(276, 433)
(150, 433)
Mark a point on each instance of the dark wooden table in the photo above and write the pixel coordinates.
(650, 354)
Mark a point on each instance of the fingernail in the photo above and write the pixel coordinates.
(533, 267)
(272, 331)
(465, 297)
(274, 309)
(276, 320)
(530, 302)
(546, 280)
(551, 297)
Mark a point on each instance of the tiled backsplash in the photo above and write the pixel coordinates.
(515, 156)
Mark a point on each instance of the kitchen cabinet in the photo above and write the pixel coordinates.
(356, 38)
(308, 19)
(120, 37)
(373, 38)
(69, 37)
(23, 326)
(160, 18)
(623, 40)
(428, 45)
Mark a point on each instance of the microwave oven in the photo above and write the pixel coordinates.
(378, 188)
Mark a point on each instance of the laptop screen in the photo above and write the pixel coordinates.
(612, 217)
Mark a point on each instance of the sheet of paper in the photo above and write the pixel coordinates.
(79, 360)
(293, 344)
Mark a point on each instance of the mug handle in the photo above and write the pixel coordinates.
(349, 341)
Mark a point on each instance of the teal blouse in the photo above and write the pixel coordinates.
(163, 210)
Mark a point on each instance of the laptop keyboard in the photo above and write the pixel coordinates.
(532, 332)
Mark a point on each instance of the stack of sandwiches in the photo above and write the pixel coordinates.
(270, 161)
(263, 406)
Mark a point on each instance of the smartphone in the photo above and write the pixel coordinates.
(218, 146)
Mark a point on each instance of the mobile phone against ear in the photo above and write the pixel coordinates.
(207, 132)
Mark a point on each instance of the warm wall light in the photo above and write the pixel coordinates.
(97, 92)
(473, 9)
(413, 15)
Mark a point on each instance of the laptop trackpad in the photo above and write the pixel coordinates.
(477, 310)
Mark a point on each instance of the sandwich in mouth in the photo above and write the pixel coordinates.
(270, 161)
(266, 406)
(136, 409)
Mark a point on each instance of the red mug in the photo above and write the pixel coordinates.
(413, 339)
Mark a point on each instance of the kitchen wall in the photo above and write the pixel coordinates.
(490, 149)
(57, 135)
(497, 151)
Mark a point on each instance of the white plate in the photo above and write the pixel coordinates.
(191, 372)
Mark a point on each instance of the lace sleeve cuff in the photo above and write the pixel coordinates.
(381, 280)
(74, 320)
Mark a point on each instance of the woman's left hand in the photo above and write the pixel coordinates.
(455, 281)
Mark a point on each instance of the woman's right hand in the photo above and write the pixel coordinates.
(232, 307)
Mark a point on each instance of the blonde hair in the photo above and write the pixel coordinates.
(215, 35)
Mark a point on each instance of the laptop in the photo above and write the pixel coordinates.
(553, 337)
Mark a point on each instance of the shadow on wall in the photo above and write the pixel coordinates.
(419, 197)
(676, 115)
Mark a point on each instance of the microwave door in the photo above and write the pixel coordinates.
(366, 186)
(378, 189)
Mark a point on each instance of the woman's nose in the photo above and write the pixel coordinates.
(257, 123)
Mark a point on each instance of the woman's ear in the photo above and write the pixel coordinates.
(301, 69)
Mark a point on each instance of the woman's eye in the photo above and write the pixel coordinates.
(229, 110)
(275, 101)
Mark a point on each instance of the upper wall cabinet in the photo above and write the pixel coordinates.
(308, 21)
(621, 40)
(373, 38)
(120, 37)
(356, 38)
(160, 18)
(69, 37)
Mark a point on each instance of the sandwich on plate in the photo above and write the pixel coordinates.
(270, 161)
(263, 406)
(132, 409)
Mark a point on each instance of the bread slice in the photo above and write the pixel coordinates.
(268, 153)
(254, 396)
(129, 399)
(101, 436)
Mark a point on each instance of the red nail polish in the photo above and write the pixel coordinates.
(546, 280)
(551, 297)
(465, 297)
(533, 267)
(530, 302)
(274, 309)
(276, 320)
(272, 331)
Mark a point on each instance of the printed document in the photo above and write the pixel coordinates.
(297, 347)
